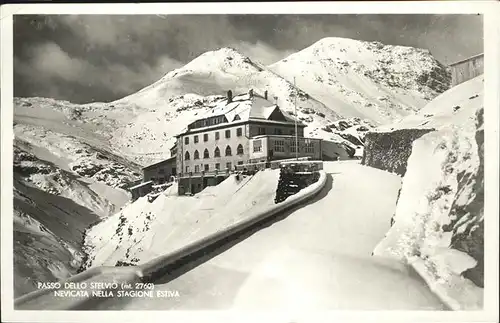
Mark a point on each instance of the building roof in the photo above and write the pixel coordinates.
(160, 162)
(140, 185)
(287, 136)
(466, 59)
(245, 107)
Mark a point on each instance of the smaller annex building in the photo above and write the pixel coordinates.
(158, 173)
(161, 172)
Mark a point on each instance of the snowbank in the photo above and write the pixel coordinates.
(439, 221)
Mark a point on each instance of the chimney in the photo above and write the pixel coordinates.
(229, 96)
(250, 93)
(265, 94)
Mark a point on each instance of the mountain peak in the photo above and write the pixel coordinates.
(222, 58)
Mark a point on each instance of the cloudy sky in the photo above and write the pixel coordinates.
(87, 58)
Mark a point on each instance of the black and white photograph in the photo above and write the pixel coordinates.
(189, 160)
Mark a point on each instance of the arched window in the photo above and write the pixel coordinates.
(196, 154)
(239, 150)
(186, 156)
(228, 151)
(217, 152)
(206, 154)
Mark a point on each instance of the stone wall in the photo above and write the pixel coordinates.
(291, 182)
(390, 150)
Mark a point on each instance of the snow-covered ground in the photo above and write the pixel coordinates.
(145, 230)
(439, 218)
(454, 107)
(84, 154)
(317, 258)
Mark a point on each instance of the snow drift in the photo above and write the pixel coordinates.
(439, 220)
(145, 230)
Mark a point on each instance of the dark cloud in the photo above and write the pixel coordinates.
(84, 58)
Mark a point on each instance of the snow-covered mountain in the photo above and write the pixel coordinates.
(336, 78)
(85, 154)
(368, 80)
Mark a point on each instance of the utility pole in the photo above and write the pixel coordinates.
(296, 116)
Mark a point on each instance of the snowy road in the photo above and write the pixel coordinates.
(318, 257)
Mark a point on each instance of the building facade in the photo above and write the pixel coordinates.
(275, 147)
(213, 146)
(160, 172)
(466, 69)
(141, 189)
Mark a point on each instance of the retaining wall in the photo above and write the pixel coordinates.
(390, 150)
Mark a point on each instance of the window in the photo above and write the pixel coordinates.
(217, 166)
(228, 151)
(196, 139)
(187, 169)
(237, 117)
(239, 150)
(262, 131)
(309, 147)
(277, 131)
(257, 146)
(206, 154)
(186, 156)
(228, 165)
(207, 167)
(161, 171)
(217, 152)
(186, 140)
(217, 136)
(228, 133)
(293, 146)
(292, 132)
(240, 162)
(239, 132)
(279, 146)
(196, 154)
(197, 168)
(205, 137)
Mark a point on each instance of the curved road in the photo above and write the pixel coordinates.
(317, 257)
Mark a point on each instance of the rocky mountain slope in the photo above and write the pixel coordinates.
(65, 179)
(438, 225)
(368, 80)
